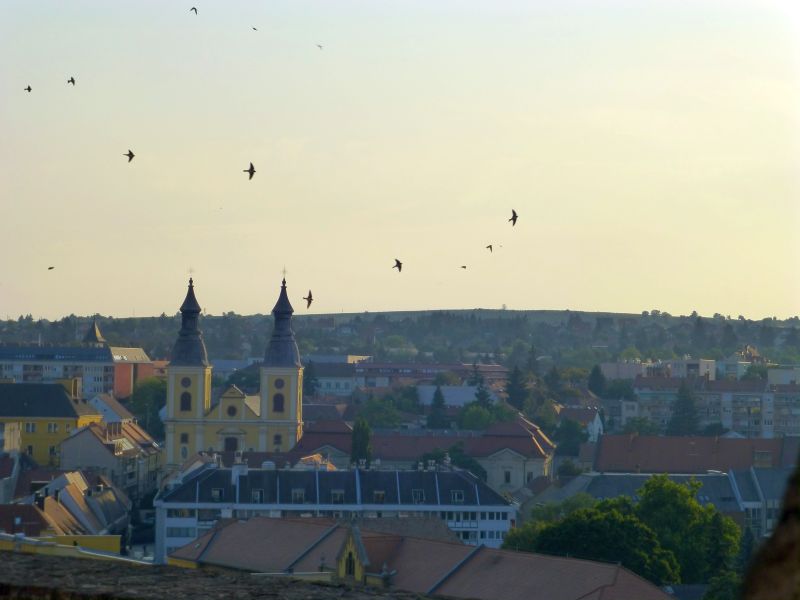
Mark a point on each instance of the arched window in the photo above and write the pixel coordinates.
(350, 565)
(231, 444)
(277, 403)
(186, 401)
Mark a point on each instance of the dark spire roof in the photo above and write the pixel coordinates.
(282, 347)
(189, 349)
(93, 335)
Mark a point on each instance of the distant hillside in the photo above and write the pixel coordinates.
(567, 338)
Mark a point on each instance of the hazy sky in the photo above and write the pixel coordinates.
(650, 149)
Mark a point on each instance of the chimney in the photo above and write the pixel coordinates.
(38, 499)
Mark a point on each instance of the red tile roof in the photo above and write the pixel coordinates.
(31, 520)
(661, 454)
(582, 414)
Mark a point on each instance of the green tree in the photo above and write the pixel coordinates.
(474, 416)
(609, 537)
(684, 413)
(482, 396)
(746, 547)
(148, 398)
(247, 379)
(597, 381)
(532, 363)
(362, 445)
(640, 425)
(567, 468)
(755, 371)
(310, 381)
(437, 417)
(475, 377)
(552, 380)
(380, 413)
(446, 378)
(457, 458)
(619, 389)
(724, 586)
(569, 436)
(516, 389)
(551, 512)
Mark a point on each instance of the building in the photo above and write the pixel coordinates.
(102, 368)
(454, 395)
(111, 409)
(334, 378)
(272, 420)
(356, 553)
(121, 451)
(587, 417)
(624, 369)
(48, 414)
(371, 374)
(192, 505)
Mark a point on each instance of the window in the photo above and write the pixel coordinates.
(277, 403)
(184, 438)
(231, 411)
(186, 401)
(298, 496)
(507, 476)
(258, 496)
(350, 565)
(277, 439)
(457, 496)
(207, 514)
(491, 516)
(52, 450)
(67, 427)
(184, 452)
(483, 516)
(30, 450)
(337, 496)
(418, 496)
(217, 494)
(180, 513)
(186, 382)
(181, 532)
(52, 428)
(483, 535)
(279, 383)
(30, 427)
(231, 444)
(378, 496)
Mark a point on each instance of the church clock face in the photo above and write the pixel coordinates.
(279, 383)
(186, 382)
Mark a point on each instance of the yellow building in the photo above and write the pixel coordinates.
(47, 414)
(271, 421)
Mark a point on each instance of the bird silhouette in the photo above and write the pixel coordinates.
(319, 46)
(193, 9)
(50, 268)
(463, 266)
(254, 29)
(398, 265)
(489, 247)
(71, 80)
(130, 155)
(27, 89)
(251, 170)
(513, 218)
(309, 299)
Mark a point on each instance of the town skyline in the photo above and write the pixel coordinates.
(661, 173)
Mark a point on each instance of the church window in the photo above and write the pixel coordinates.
(184, 438)
(186, 382)
(186, 401)
(279, 383)
(231, 411)
(277, 439)
(350, 565)
(277, 403)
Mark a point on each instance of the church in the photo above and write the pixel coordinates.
(271, 421)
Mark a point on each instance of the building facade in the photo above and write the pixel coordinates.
(270, 421)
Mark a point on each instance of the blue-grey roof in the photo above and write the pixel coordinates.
(40, 400)
(282, 348)
(773, 481)
(18, 352)
(357, 487)
(746, 485)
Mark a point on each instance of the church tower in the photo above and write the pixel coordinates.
(281, 378)
(188, 386)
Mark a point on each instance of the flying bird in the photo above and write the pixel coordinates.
(193, 9)
(398, 265)
(309, 299)
(50, 268)
(27, 89)
(513, 218)
(130, 155)
(489, 247)
(71, 80)
(463, 266)
(319, 46)
(254, 29)
(251, 170)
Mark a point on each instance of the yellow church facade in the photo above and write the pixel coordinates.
(269, 421)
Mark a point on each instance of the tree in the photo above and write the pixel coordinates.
(310, 381)
(148, 398)
(746, 546)
(446, 378)
(755, 371)
(567, 468)
(597, 381)
(729, 340)
(247, 379)
(552, 380)
(569, 436)
(641, 426)
(474, 416)
(724, 586)
(619, 389)
(361, 446)
(532, 363)
(714, 430)
(482, 396)
(475, 378)
(684, 413)
(550, 512)
(516, 390)
(609, 537)
(380, 413)
(437, 417)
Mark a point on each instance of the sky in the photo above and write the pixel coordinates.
(650, 149)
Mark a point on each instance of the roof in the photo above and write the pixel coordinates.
(114, 406)
(7, 463)
(123, 354)
(580, 414)
(323, 412)
(663, 454)
(189, 349)
(327, 369)
(93, 335)
(77, 354)
(454, 395)
(118, 439)
(282, 348)
(32, 479)
(31, 400)
(23, 518)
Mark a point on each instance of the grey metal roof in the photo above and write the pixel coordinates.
(358, 487)
(40, 400)
(746, 485)
(773, 481)
(282, 348)
(189, 349)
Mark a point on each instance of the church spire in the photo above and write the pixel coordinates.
(189, 349)
(93, 335)
(282, 348)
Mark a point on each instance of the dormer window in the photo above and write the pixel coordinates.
(418, 496)
(217, 494)
(457, 496)
(298, 496)
(337, 496)
(258, 496)
(378, 497)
